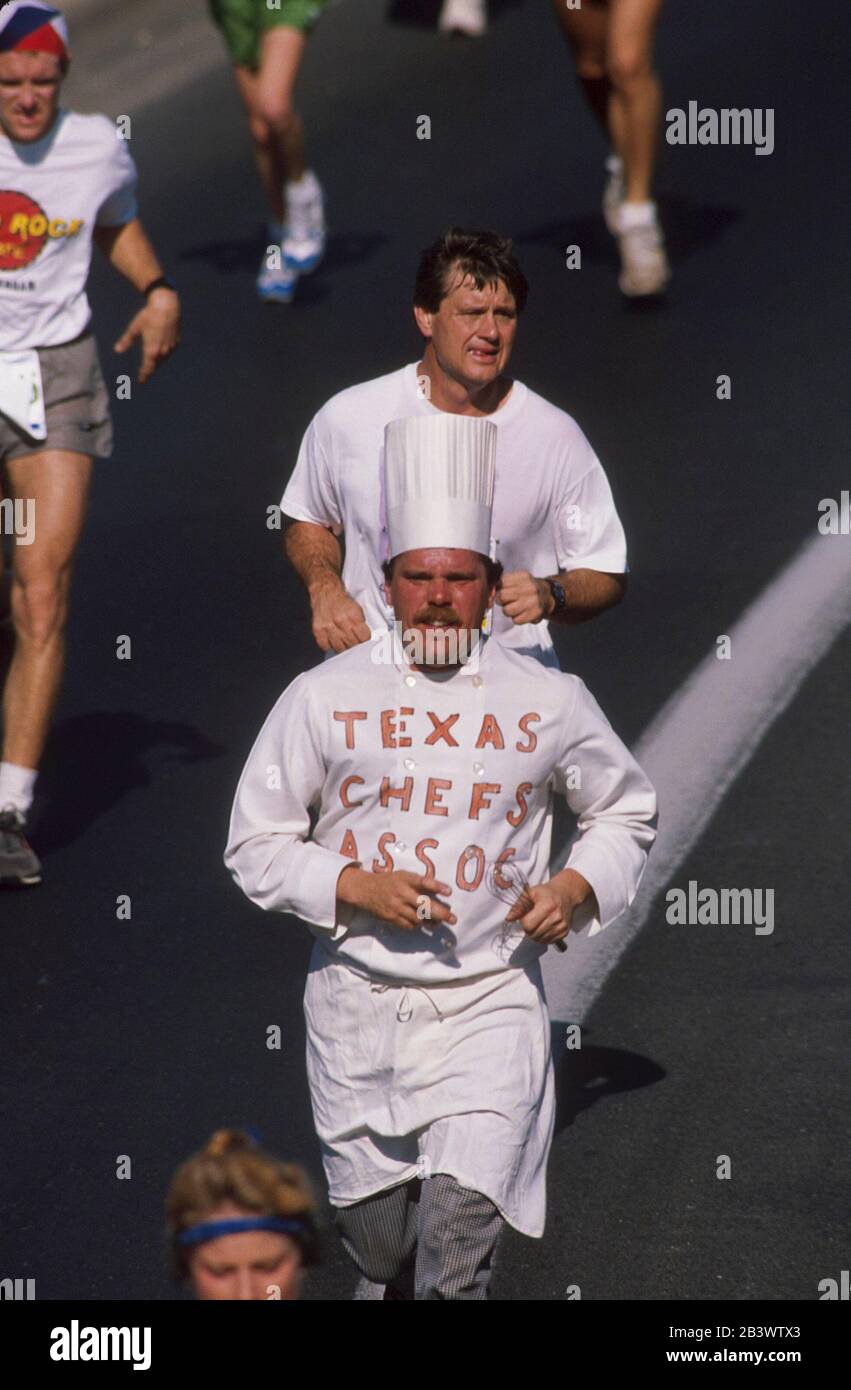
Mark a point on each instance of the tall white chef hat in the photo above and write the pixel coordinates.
(438, 482)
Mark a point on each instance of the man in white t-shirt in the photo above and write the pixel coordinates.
(65, 180)
(555, 528)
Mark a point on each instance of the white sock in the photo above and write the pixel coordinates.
(636, 215)
(16, 787)
(305, 187)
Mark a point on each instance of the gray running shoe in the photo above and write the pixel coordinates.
(19, 866)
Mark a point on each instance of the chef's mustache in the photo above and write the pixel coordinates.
(442, 615)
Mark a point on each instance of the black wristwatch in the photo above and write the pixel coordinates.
(559, 596)
(162, 282)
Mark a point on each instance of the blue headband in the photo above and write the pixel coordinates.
(209, 1230)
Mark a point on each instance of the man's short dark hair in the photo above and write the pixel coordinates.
(484, 256)
(493, 569)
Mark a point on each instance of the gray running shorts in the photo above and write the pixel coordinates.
(76, 404)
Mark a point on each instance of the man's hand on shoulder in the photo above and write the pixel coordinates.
(337, 619)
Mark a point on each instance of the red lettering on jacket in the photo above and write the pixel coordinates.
(533, 738)
(471, 854)
(433, 804)
(402, 794)
(422, 846)
(386, 866)
(403, 742)
(490, 732)
(344, 792)
(480, 797)
(441, 729)
(349, 847)
(348, 718)
(517, 817)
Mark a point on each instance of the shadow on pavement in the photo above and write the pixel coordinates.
(95, 759)
(244, 253)
(588, 1074)
(688, 227)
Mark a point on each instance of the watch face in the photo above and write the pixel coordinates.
(558, 594)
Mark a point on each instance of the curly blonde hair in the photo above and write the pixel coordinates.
(231, 1167)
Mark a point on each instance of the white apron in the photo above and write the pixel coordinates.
(466, 1064)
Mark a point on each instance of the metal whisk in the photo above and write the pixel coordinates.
(507, 882)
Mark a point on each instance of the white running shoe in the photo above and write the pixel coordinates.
(613, 192)
(644, 265)
(305, 232)
(275, 283)
(469, 17)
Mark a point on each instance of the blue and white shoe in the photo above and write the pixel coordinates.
(276, 280)
(305, 232)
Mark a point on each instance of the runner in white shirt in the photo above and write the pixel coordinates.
(556, 531)
(428, 1045)
(65, 180)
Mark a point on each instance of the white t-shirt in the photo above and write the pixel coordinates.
(552, 511)
(53, 192)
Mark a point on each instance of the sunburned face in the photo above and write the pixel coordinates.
(251, 1265)
(439, 594)
(29, 93)
(472, 333)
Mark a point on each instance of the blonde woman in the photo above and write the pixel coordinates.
(241, 1224)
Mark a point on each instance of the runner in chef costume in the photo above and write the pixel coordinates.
(428, 1049)
(65, 180)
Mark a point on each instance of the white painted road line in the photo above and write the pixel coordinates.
(707, 732)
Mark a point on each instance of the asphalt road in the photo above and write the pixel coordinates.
(140, 1037)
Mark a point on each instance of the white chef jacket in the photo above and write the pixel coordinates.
(552, 507)
(449, 771)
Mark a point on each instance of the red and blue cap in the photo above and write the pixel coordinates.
(31, 26)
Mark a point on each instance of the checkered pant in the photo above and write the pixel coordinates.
(429, 1239)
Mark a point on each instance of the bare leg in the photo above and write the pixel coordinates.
(586, 30)
(636, 98)
(275, 126)
(266, 153)
(58, 481)
(612, 43)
